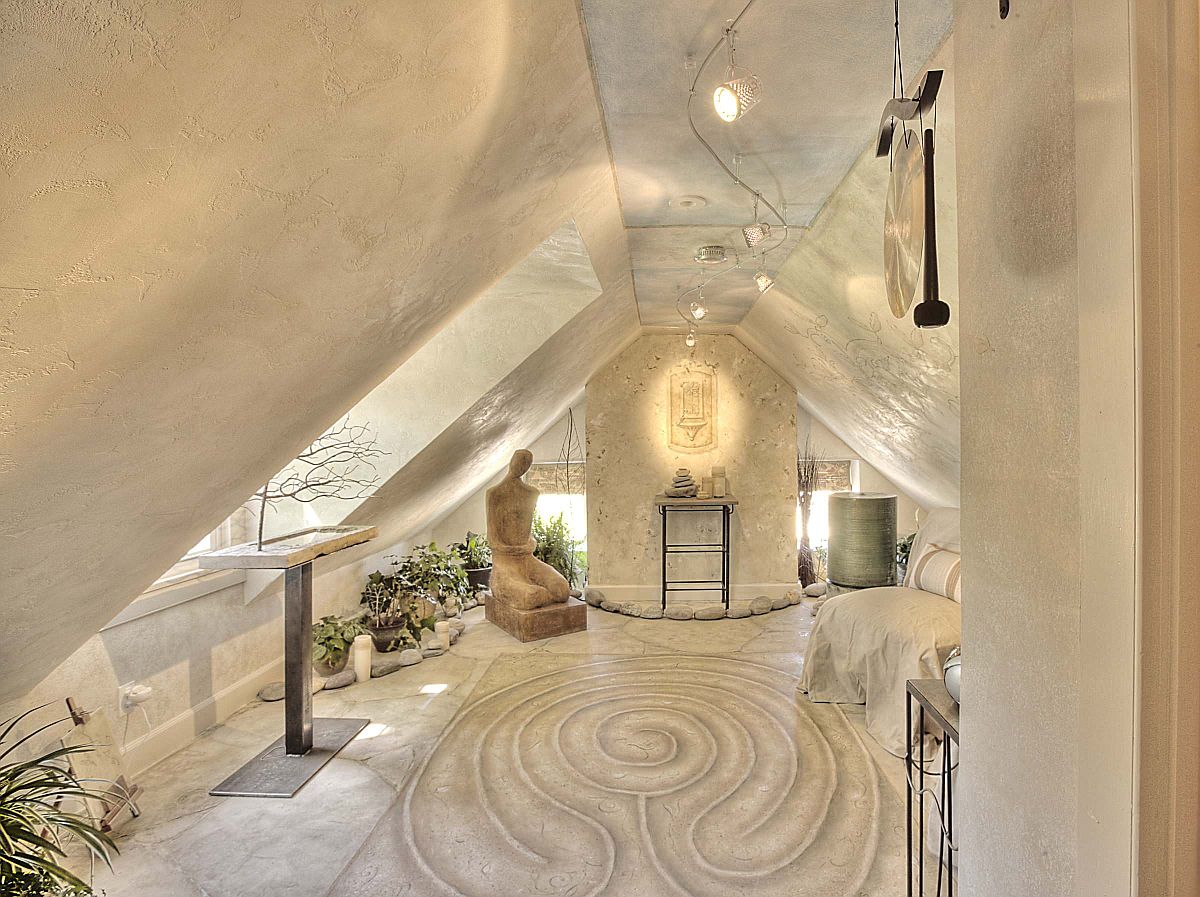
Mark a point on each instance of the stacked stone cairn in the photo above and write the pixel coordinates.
(682, 486)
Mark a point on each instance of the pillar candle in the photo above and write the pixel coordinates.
(360, 654)
(442, 628)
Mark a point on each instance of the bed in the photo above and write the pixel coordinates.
(866, 644)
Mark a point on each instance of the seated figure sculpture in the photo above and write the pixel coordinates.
(518, 578)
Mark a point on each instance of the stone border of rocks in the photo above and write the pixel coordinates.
(753, 608)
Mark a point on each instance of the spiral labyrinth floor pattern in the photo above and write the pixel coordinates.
(670, 775)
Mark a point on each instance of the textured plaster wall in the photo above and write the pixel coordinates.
(888, 389)
(1049, 480)
(629, 462)
(223, 225)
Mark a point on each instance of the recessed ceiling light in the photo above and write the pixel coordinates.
(710, 255)
(690, 201)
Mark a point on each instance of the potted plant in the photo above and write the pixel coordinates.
(394, 611)
(476, 556)
(332, 637)
(903, 550)
(434, 574)
(36, 824)
(556, 548)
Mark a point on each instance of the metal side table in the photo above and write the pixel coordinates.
(934, 703)
(724, 506)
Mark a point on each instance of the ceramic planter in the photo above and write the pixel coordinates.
(325, 669)
(387, 638)
(479, 577)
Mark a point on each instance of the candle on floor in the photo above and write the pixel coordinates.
(360, 653)
(442, 628)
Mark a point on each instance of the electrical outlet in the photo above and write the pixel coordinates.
(123, 702)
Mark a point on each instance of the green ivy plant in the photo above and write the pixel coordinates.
(35, 829)
(332, 637)
(474, 551)
(556, 548)
(435, 574)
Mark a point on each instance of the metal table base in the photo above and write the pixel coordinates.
(725, 507)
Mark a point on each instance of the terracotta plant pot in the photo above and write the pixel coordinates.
(479, 577)
(324, 669)
(386, 638)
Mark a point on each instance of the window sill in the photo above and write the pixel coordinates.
(175, 590)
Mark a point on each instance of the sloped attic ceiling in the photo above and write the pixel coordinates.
(224, 224)
(887, 389)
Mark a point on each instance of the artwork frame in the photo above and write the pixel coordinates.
(692, 413)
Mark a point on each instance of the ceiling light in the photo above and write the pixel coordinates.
(756, 233)
(699, 309)
(710, 255)
(690, 201)
(763, 281)
(690, 339)
(736, 97)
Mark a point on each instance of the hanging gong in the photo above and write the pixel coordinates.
(904, 223)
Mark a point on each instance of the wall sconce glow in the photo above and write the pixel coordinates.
(736, 97)
(690, 339)
(699, 309)
(763, 281)
(756, 233)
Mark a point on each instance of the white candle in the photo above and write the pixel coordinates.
(442, 628)
(360, 654)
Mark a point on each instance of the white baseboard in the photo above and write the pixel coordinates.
(179, 731)
(737, 592)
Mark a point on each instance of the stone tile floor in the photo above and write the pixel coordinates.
(188, 844)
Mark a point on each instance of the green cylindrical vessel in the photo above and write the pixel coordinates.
(862, 539)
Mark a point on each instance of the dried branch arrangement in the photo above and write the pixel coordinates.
(808, 471)
(339, 464)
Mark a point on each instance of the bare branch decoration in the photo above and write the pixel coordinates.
(808, 473)
(339, 465)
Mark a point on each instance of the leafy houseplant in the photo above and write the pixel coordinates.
(903, 550)
(434, 574)
(394, 612)
(556, 548)
(35, 829)
(476, 556)
(332, 637)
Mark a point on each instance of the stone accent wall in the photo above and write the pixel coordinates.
(630, 459)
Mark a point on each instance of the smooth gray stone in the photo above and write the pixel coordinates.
(594, 597)
(681, 493)
(471, 604)
(679, 612)
(760, 605)
(455, 635)
(575, 593)
(631, 610)
(611, 606)
(433, 651)
(482, 596)
(779, 602)
(394, 660)
(795, 596)
(816, 589)
(341, 680)
(273, 691)
(739, 612)
(652, 613)
(458, 625)
(713, 612)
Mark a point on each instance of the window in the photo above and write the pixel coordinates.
(230, 532)
(833, 476)
(562, 491)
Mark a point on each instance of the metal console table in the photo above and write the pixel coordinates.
(724, 506)
(934, 703)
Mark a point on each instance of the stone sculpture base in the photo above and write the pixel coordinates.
(545, 622)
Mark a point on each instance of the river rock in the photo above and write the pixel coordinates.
(712, 612)
(779, 602)
(816, 590)
(433, 651)
(394, 660)
(631, 609)
(738, 612)
(341, 680)
(794, 597)
(593, 597)
(274, 691)
(679, 612)
(458, 625)
(611, 606)
(760, 605)
(654, 612)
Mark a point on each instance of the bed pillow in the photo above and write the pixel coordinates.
(937, 570)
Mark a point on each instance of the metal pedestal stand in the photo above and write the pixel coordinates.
(307, 744)
(725, 506)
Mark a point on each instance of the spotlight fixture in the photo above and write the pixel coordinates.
(736, 96)
(698, 308)
(710, 255)
(690, 339)
(756, 233)
(763, 281)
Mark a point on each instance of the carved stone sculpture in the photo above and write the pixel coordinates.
(518, 578)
